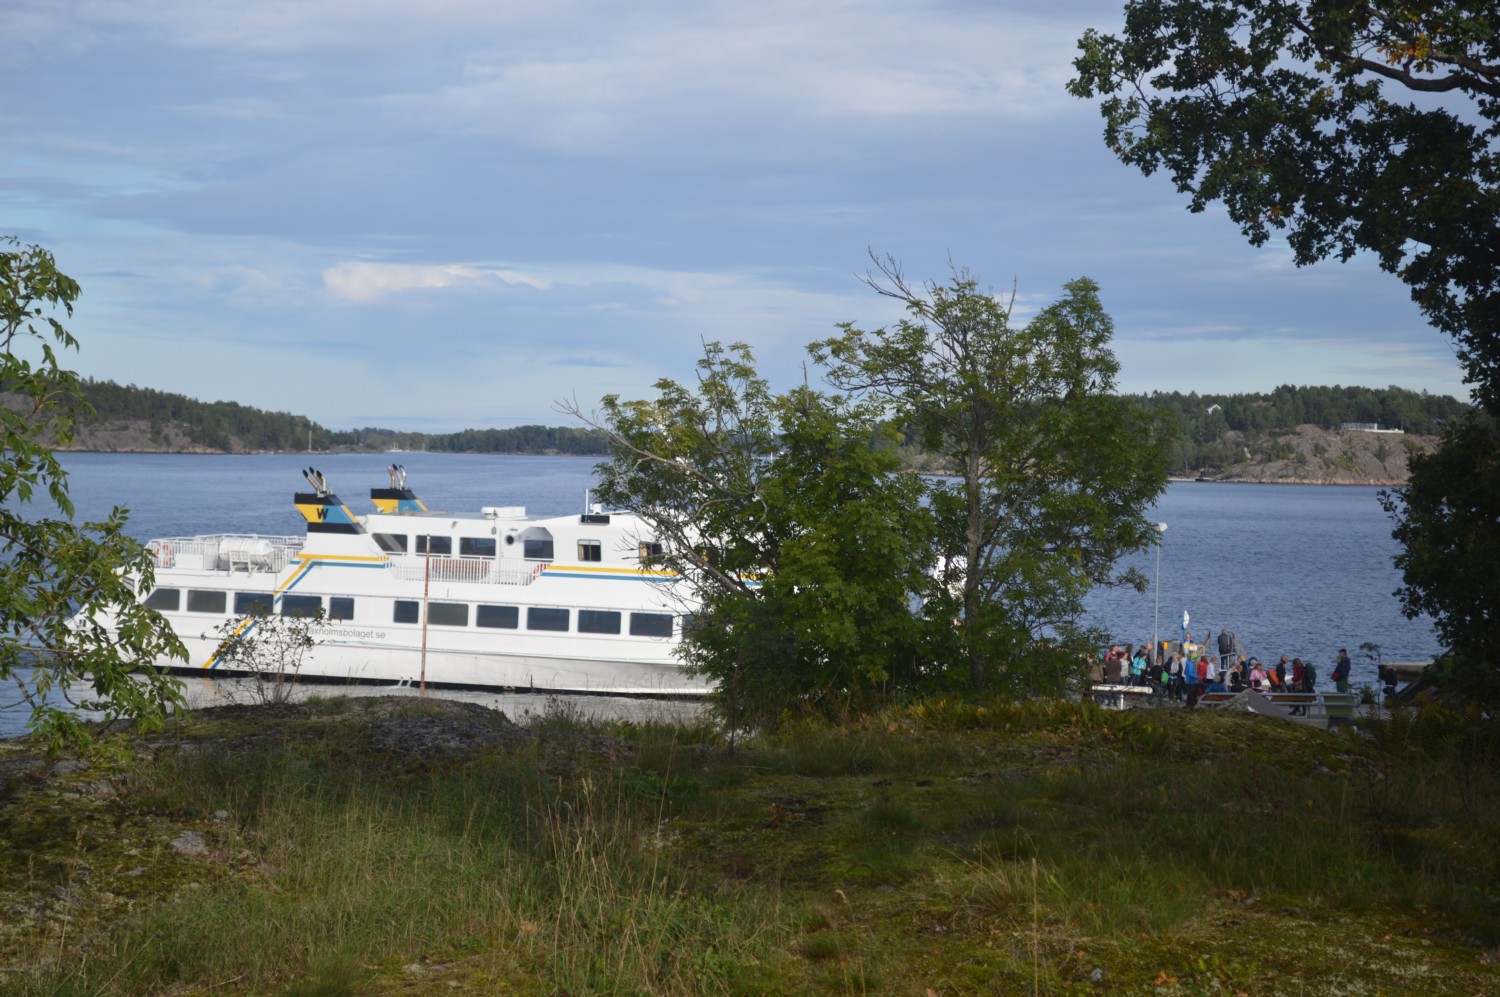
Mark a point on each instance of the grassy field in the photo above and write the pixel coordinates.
(360, 847)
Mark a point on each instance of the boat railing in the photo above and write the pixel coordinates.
(225, 552)
(477, 570)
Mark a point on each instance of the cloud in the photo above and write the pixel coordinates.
(234, 108)
(363, 281)
(625, 81)
(587, 362)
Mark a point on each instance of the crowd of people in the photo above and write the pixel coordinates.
(1184, 671)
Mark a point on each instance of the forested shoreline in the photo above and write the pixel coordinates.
(1217, 433)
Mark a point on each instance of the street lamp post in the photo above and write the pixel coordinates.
(1156, 620)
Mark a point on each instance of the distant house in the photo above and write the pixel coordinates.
(1215, 407)
(1366, 427)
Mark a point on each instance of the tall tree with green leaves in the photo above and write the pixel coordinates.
(802, 553)
(71, 629)
(1052, 474)
(1346, 126)
(1449, 565)
(1349, 127)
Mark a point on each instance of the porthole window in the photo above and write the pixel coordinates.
(650, 624)
(500, 617)
(538, 618)
(207, 601)
(598, 621)
(252, 604)
(476, 546)
(305, 606)
(164, 600)
(448, 614)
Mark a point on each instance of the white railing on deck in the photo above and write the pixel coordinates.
(231, 552)
(228, 552)
(482, 571)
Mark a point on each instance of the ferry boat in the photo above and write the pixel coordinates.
(497, 600)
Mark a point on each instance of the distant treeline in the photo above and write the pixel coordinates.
(215, 425)
(1210, 416)
(521, 439)
(230, 426)
(1204, 421)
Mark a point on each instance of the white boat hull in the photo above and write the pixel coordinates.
(567, 604)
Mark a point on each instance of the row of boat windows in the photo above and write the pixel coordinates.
(439, 614)
(532, 548)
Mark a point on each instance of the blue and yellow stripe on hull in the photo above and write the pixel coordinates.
(308, 563)
(617, 574)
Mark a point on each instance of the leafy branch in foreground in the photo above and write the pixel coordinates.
(63, 586)
(1299, 118)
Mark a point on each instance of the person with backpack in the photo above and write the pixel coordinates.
(1341, 670)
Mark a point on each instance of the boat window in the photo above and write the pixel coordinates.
(448, 614)
(252, 604)
(502, 617)
(391, 543)
(340, 607)
(650, 624)
(301, 605)
(476, 546)
(442, 546)
(537, 550)
(598, 621)
(209, 601)
(407, 611)
(538, 618)
(590, 550)
(169, 599)
(651, 551)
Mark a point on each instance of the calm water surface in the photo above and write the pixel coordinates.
(1292, 569)
(1299, 570)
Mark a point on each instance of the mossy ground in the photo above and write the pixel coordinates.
(369, 847)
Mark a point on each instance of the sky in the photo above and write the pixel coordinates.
(459, 213)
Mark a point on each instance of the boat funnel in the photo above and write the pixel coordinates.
(323, 510)
(396, 499)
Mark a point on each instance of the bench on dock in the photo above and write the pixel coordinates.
(1118, 697)
(1322, 708)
